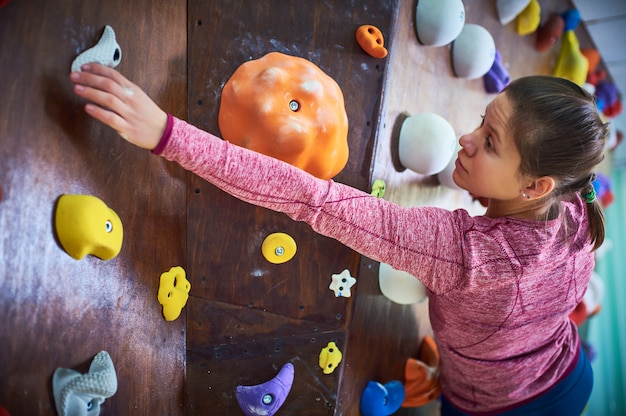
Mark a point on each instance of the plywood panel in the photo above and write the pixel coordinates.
(230, 346)
(57, 311)
(225, 235)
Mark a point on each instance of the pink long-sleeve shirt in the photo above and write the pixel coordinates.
(500, 289)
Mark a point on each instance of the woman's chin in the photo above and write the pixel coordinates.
(457, 180)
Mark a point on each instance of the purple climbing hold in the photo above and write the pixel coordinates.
(497, 77)
(265, 399)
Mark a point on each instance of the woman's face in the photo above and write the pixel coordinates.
(488, 162)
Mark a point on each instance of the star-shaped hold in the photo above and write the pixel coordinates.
(342, 283)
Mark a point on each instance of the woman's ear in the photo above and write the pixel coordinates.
(540, 187)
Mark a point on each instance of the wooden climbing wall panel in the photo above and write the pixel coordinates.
(248, 317)
(56, 311)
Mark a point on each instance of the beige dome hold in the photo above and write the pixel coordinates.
(426, 143)
(400, 287)
(445, 176)
(473, 52)
(508, 10)
(439, 22)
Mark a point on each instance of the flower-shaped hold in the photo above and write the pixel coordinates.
(85, 225)
(106, 52)
(342, 283)
(265, 399)
(173, 292)
(330, 357)
(82, 394)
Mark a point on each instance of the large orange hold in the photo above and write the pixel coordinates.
(288, 108)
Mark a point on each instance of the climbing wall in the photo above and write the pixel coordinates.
(247, 317)
(58, 312)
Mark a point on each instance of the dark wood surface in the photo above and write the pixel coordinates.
(245, 317)
(277, 313)
(56, 311)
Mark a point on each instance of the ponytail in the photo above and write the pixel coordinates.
(595, 216)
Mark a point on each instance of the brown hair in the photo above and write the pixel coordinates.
(559, 133)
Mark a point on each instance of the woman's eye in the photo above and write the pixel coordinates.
(488, 142)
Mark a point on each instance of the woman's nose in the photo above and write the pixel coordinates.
(466, 141)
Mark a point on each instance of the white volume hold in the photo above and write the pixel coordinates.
(106, 52)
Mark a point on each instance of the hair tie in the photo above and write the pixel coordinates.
(590, 196)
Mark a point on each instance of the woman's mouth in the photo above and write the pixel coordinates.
(459, 165)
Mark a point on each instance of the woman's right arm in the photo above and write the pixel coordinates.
(422, 241)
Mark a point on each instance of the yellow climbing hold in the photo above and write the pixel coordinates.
(86, 225)
(330, 357)
(378, 188)
(278, 248)
(528, 19)
(173, 292)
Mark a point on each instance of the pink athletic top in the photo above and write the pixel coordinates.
(500, 289)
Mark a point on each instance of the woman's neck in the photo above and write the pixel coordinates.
(537, 210)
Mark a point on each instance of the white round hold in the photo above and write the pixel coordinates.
(508, 10)
(439, 22)
(473, 52)
(400, 287)
(445, 176)
(426, 143)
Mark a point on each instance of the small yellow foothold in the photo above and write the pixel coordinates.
(278, 248)
(86, 225)
(330, 357)
(173, 292)
(378, 188)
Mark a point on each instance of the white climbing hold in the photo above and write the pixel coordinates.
(341, 284)
(106, 52)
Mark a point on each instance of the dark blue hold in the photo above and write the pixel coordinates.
(602, 184)
(606, 94)
(571, 19)
(382, 400)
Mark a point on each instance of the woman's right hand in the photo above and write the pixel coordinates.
(120, 104)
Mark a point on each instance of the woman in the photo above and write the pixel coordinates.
(501, 286)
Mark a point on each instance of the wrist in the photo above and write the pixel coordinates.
(165, 137)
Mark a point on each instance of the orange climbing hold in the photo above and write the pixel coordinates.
(371, 40)
(288, 108)
(422, 376)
